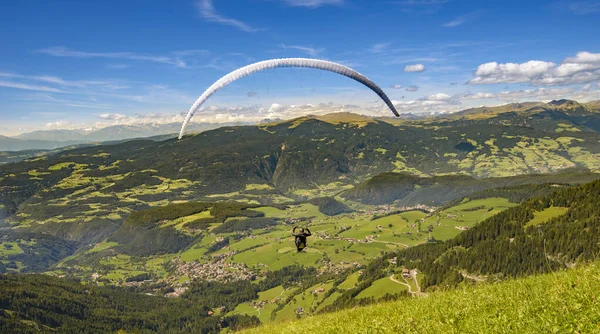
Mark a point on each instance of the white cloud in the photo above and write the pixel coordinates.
(438, 97)
(538, 94)
(463, 19)
(444, 103)
(587, 87)
(414, 68)
(54, 80)
(57, 125)
(430, 104)
(61, 51)
(38, 88)
(584, 58)
(74, 103)
(112, 116)
(478, 96)
(312, 3)
(379, 47)
(412, 88)
(308, 50)
(397, 86)
(207, 11)
(275, 107)
(583, 68)
(454, 23)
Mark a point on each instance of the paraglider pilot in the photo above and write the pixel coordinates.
(301, 237)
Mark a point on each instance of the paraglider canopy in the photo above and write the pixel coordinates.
(285, 62)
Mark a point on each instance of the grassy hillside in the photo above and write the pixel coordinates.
(567, 301)
(540, 234)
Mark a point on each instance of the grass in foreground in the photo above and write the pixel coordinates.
(562, 302)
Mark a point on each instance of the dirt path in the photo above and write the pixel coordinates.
(414, 273)
(405, 284)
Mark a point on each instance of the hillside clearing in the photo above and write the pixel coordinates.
(561, 302)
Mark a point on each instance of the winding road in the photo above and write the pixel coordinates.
(405, 284)
(413, 274)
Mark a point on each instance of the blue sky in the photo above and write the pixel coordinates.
(84, 64)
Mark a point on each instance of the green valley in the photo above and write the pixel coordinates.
(397, 210)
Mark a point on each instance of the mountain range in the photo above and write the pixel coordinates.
(52, 139)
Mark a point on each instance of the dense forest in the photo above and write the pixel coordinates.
(34, 303)
(39, 303)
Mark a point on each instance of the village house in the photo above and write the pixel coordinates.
(405, 273)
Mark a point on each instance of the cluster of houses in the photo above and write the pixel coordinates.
(385, 209)
(292, 221)
(337, 268)
(218, 270)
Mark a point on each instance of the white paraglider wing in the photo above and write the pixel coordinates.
(285, 62)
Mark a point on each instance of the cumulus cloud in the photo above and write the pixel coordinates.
(477, 96)
(437, 97)
(412, 88)
(208, 12)
(112, 116)
(312, 3)
(414, 68)
(397, 86)
(275, 107)
(581, 69)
